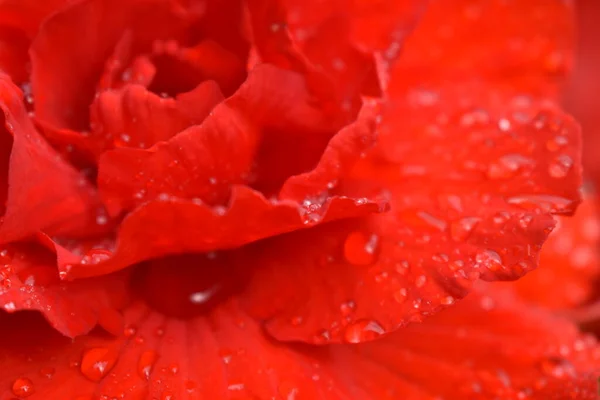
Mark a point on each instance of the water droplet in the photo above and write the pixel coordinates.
(448, 300)
(23, 387)
(347, 308)
(101, 219)
(96, 363)
(461, 229)
(400, 295)
(363, 330)
(129, 331)
(507, 166)
(48, 372)
(504, 124)
(489, 259)
(288, 390)
(146, 363)
(360, 248)
(420, 281)
(560, 166)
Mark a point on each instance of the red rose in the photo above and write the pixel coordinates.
(192, 185)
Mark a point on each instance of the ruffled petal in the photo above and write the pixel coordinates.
(205, 160)
(44, 192)
(29, 281)
(485, 347)
(175, 226)
(569, 262)
(19, 22)
(476, 207)
(64, 89)
(333, 44)
(135, 117)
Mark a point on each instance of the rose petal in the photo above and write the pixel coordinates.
(63, 89)
(44, 193)
(180, 68)
(29, 281)
(193, 227)
(19, 22)
(135, 117)
(203, 161)
(493, 39)
(343, 151)
(579, 97)
(569, 262)
(511, 351)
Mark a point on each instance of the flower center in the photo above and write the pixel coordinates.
(188, 285)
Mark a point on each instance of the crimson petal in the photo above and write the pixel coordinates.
(194, 227)
(135, 117)
(486, 347)
(44, 192)
(454, 219)
(63, 89)
(29, 281)
(203, 161)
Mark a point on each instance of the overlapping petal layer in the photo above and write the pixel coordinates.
(43, 192)
(29, 281)
(486, 346)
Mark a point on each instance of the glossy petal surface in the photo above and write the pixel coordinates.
(65, 203)
(569, 262)
(486, 347)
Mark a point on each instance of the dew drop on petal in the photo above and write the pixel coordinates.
(361, 248)
(146, 363)
(560, 166)
(23, 387)
(363, 330)
(489, 259)
(347, 308)
(48, 372)
(96, 363)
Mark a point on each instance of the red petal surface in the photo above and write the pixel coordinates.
(29, 281)
(569, 262)
(44, 192)
(486, 347)
(64, 89)
(135, 117)
(19, 22)
(495, 39)
(476, 206)
(175, 226)
(205, 160)
(580, 97)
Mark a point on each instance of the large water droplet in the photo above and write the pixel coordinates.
(560, 166)
(23, 387)
(363, 330)
(489, 259)
(146, 363)
(96, 363)
(361, 248)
